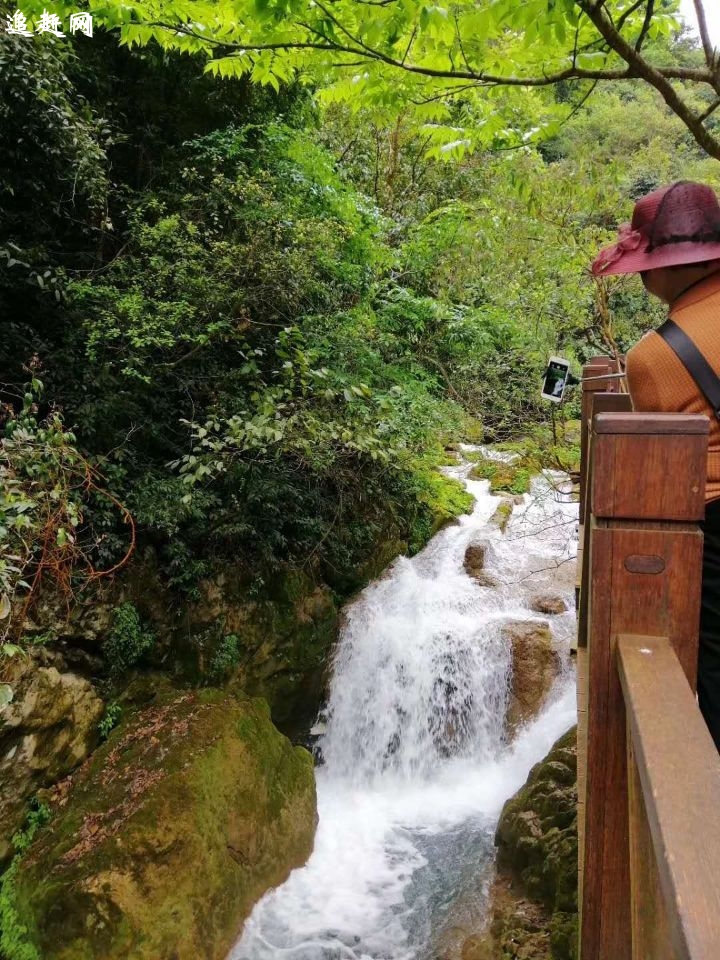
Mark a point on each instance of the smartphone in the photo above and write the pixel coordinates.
(555, 380)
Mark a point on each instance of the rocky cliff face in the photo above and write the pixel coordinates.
(168, 835)
(48, 728)
(534, 899)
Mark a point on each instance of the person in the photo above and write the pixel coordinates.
(673, 242)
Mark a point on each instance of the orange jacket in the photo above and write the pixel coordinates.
(659, 382)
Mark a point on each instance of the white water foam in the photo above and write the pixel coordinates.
(416, 766)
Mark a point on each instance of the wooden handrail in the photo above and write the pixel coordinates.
(674, 815)
(644, 494)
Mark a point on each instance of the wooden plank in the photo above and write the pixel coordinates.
(679, 773)
(589, 388)
(582, 693)
(668, 603)
(668, 424)
(594, 819)
(651, 936)
(651, 495)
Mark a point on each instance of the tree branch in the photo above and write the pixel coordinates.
(705, 34)
(710, 110)
(628, 13)
(646, 25)
(692, 74)
(639, 67)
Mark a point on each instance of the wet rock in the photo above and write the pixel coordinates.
(548, 603)
(476, 555)
(47, 730)
(537, 832)
(487, 580)
(502, 515)
(170, 834)
(535, 667)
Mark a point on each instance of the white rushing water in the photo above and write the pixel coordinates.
(416, 766)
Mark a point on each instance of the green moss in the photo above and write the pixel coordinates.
(537, 831)
(542, 450)
(503, 477)
(502, 515)
(197, 777)
(443, 499)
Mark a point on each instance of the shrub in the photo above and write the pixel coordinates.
(110, 720)
(225, 658)
(128, 641)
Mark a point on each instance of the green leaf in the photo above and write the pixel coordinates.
(6, 695)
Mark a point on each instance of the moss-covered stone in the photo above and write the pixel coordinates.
(170, 834)
(533, 901)
(504, 477)
(501, 517)
(537, 832)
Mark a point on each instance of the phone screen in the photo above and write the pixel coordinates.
(555, 380)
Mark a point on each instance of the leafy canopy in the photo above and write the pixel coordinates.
(436, 58)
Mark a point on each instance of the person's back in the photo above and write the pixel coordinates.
(658, 380)
(673, 242)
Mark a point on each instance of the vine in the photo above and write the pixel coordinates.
(45, 486)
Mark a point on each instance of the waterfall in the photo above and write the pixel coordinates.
(416, 764)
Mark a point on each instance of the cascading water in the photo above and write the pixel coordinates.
(416, 765)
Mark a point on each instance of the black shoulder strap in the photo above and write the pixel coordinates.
(694, 362)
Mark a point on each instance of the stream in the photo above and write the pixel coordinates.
(416, 768)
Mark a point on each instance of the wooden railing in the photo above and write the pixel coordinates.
(648, 771)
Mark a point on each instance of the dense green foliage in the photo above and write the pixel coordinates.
(14, 943)
(128, 640)
(257, 324)
(225, 658)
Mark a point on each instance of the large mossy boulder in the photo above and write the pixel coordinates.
(533, 899)
(169, 834)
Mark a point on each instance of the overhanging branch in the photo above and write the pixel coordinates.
(704, 33)
(347, 42)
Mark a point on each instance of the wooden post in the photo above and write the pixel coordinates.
(591, 386)
(595, 368)
(598, 403)
(647, 495)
